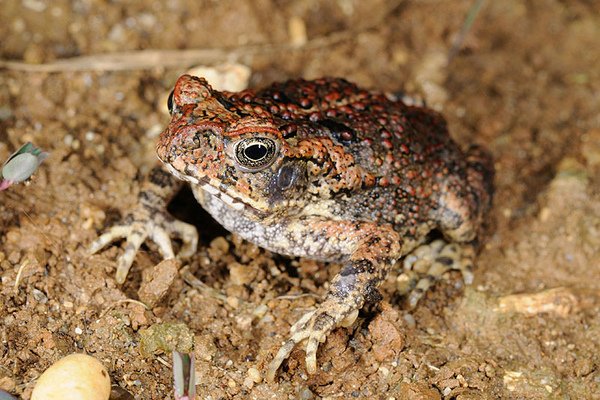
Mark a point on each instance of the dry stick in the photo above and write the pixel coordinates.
(164, 362)
(296, 296)
(19, 272)
(196, 283)
(467, 25)
(118, 302)
(147, 59)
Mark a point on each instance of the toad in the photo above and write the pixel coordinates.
(320, 169)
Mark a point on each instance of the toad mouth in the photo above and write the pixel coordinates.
(234, 202)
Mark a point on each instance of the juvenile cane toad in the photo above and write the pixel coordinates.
(319, 169)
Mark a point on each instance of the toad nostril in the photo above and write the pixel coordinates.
(205, 139)
(192, 141)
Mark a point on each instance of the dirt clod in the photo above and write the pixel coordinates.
(157, 281)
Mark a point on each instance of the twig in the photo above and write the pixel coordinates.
(164, 362)
(19, 273)
(147, 59)
(469, 20)
(196, 283)
(296, 296)
(116, 303)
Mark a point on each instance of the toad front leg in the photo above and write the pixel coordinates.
(371, 250)
(150, 219)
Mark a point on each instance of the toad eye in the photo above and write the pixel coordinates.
(170, 102)
(255, 154)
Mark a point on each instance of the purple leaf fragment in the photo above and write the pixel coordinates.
(184, 376)
(21, 165)
(6, 396)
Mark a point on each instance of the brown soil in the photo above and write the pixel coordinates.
(525, 82)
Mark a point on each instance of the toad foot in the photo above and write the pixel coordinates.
(429, 262)
(149, 220)
(313, 327)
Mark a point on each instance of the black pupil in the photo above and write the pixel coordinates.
(255, 152)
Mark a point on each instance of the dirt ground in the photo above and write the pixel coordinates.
(524, 81)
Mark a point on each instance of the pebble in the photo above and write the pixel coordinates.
(305, 394)
(254, 374)
(74, 377)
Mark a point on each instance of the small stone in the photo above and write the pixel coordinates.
(204, 348)
(490, 372)
(68, 139)
(39, 296)
(450, 383)
(248, 383)
(218, 247)
(305, 394)
(583, 367)
(157, 281)
(297, 31)
(254, 374)
(545, 214)
(241, 274)
(260, 311)
(14, 257)
(233, 302)
(410, 320)
(232, 77)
